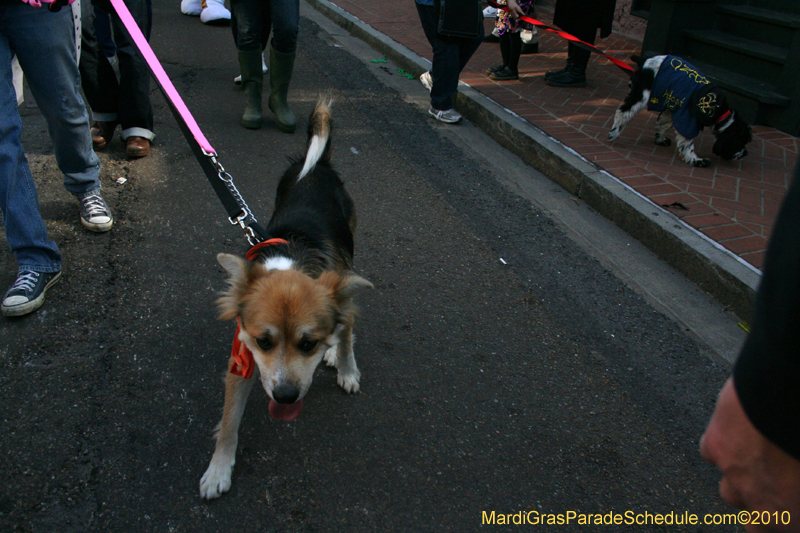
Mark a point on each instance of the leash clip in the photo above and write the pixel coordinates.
(245, 219)
(217, 165)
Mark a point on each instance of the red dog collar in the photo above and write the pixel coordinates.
(253, 252)
(725, 115)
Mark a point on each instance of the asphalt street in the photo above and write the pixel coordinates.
(504, 367)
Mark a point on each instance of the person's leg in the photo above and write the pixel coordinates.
(285, 24)
(515, 50)
(557, 72)
(575, 73)
(246, 24)
(50, 68)
(133, 104)
(98, 80)
(445, 66)
(102, 29)
(52, 73)
(512, 45)
(505, 48)
(247, 16)
(466, 48)
(25, 230)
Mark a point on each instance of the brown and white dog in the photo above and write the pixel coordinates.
(292, 298)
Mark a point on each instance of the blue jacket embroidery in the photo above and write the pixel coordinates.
(673, 88)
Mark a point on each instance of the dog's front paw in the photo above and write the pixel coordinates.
(216, 480)
(702, 163)
(613, 134)
(330, 356)
(349, 381)
(663, 141)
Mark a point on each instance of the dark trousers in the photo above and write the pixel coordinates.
(586, 32)
(450, 56)
(129, 99)
(251, 20)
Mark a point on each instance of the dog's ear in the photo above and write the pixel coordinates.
(233, 264)
(343, 285)
(229, 302)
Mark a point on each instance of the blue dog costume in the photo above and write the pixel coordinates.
(691, 97)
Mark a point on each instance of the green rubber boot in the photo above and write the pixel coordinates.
(280, 74)
(252, 83)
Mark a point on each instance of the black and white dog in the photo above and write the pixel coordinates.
(687, 101)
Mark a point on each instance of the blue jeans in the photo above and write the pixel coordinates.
(126, 101)
(251, 19)
(45, 45)
(450, 56)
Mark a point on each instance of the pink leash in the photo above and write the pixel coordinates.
(160, 75)
(222, 182)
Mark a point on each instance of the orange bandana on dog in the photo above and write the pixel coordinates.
(243, 362)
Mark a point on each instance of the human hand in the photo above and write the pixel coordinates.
(756, 474)
(514, 10)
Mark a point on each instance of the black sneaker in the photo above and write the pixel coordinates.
(95, 213)
(27, 293)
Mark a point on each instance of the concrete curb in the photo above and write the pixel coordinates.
(728, 278)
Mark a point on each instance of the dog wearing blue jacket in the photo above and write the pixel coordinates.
(687, 101)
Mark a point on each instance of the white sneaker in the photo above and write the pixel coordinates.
(449, 116)
(489, 12)
(426, 80)
(191, 7)
(214, 11)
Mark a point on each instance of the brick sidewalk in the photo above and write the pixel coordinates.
(733, 202)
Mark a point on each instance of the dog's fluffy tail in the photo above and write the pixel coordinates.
(319, 136)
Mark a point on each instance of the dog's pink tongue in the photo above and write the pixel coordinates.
(285, 412)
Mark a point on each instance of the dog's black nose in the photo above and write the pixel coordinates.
(285, 393)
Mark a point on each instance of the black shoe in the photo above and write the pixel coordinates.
(504, 75)
(530, 48)
(27, 293)
(491, 38)
(491, 70)
(557, 71)
(572, 77)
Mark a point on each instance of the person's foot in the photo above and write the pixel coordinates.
(491, 70)
(504, 75)
(572, 77)
(102, 133)
(27, 293)
(426, 80)
(137, 147)
(448, 116)
(555, 72)
(95, 213)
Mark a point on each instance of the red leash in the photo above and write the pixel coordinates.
(539, 24)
